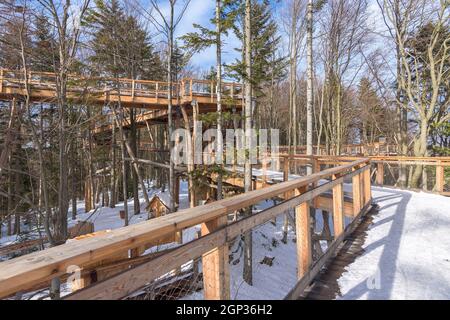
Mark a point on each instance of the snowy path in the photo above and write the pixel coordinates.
(407, 250)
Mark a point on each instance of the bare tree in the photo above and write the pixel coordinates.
(248, 114)
(423, 68)
(309, 85)
(293, 16)
(166, 25)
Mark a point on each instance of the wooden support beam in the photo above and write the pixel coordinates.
(367, 186)
(338, 209)
(440, 178)
(325, 203)
(362, 193)
(356, 186)
(286, 166)
(380, 173)
(215, 266)
(303, 230)
(264, 171)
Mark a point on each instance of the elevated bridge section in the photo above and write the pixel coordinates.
(131, 93)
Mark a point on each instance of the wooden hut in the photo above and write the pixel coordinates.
(158, 207)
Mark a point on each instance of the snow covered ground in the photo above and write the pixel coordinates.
(107, 218)
(407, 254)
(407, 250)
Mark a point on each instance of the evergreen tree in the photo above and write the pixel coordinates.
(45, 55)
(120, 44)
(265, 42)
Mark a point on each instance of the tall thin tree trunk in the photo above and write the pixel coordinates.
(309, 84)
(113, 197)
(248, 238)
(133, 143)
(219, 157)
(124, 169)
(169, 107)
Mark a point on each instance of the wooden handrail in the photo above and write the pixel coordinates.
(24, 272)
(4, 76)
(379, 161)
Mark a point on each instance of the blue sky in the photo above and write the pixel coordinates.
(201, 11)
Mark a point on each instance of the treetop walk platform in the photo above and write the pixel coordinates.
(131, 93)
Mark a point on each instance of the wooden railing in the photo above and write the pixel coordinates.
(372, 149)
(21, 274)
(185, 90)
(383, 166)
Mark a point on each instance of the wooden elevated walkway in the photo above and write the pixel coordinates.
(131, 93)
(218, 231)
(22, 273)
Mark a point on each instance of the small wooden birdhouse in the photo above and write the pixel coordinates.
(157, 207)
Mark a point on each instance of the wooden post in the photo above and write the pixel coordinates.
(367, 186)
(316, 169)
(303, 230)
(356, 181)
(157, 89)
(338, 209)
(380, 173)
(286, 169)
(191, 94)
(132, 89)
(286, 175)
(316, 164)
(215, 266)
(264, 171)
(362, 178)
(440, 178)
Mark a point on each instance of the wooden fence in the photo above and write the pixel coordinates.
(22, 273)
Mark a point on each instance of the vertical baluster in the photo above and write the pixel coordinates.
(367, 186)
(216, 269)
(338, 208)
(440, 177)
(380, 173)
(303, 231)
(356, 181)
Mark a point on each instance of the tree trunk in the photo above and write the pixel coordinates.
(248, 238)
(113, 197)
(219, 138)
(309, 89)
(133, 143)
(169, 107)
